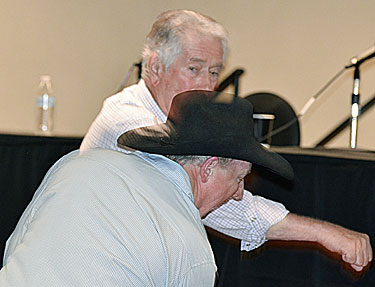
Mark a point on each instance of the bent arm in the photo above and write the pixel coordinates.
(247, 219)
(354, 247)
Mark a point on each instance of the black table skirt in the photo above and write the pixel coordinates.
(24, 160)
(334, 185)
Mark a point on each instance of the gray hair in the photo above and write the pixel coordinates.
(197, 159)
(169, 29)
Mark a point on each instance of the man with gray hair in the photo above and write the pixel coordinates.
(186, 51)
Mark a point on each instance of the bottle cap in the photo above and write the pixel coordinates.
(45, 80)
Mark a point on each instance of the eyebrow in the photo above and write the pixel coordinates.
(193, 59)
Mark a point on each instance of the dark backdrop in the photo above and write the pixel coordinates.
(333, 185)
(24, 160)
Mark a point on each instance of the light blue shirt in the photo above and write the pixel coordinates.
(104, 218)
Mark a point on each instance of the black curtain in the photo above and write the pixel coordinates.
(24, 160)
(335, 189)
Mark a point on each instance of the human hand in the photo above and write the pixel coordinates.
(354, 247)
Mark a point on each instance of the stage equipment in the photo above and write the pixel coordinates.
(233, 78)
(263, 126)
(266, 104)
(305, 108)
(346, 123)
(355, 110)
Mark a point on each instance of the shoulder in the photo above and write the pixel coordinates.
(127, 107)
(129, 96)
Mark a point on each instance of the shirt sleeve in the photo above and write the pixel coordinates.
(247, 219)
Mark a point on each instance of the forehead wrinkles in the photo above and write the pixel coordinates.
(206, 45)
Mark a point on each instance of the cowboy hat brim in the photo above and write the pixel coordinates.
(162, 139)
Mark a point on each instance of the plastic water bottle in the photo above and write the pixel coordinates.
(45, 104)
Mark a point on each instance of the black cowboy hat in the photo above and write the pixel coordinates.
(208, 124)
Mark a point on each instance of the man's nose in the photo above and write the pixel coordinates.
(206, 82)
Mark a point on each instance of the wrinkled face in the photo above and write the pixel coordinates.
(226, 183)
(196, 68)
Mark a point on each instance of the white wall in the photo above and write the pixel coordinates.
(291, 48)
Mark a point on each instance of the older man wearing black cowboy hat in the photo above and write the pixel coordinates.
(105, 218)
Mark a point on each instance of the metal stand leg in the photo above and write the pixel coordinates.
(355, 109)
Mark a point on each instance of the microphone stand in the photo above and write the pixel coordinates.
(345, 123)
(355, 109)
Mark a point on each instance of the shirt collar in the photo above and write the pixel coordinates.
(170, 169)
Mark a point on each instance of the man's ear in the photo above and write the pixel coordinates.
(207, 169)
(155, 67)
